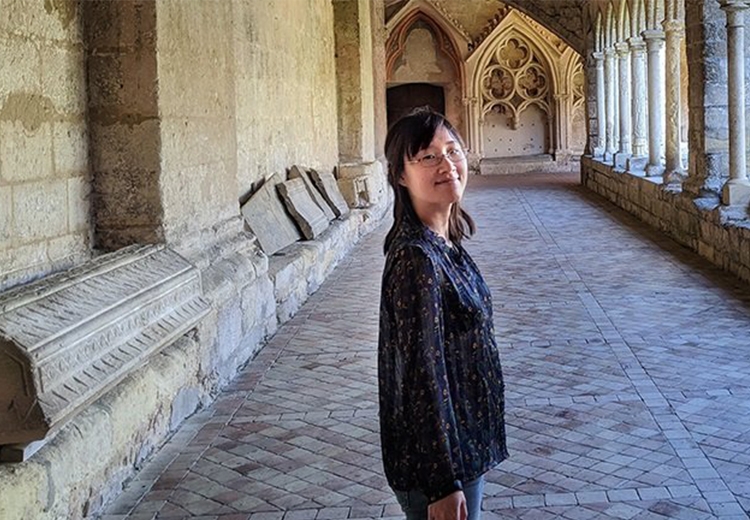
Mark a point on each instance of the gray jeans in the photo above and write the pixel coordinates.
(414, 502)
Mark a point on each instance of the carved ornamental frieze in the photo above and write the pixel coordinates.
(515, 79)
(67, 339)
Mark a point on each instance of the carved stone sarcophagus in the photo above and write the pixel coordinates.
(67, 339)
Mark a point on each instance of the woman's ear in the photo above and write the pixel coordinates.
(401, 181)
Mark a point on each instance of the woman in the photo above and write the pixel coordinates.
(441, 389)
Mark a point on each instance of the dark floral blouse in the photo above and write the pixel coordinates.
(441, 385)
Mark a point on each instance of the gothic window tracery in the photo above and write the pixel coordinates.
(515, 79)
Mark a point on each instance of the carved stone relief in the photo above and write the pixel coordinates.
(66, 340)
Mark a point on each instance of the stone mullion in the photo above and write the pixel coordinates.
(601, 115)
(609, 73)
(640, 128)
(674, 32)
(737, 189)
(625, 150)
(656, 104)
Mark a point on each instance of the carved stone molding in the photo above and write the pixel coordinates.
(66, 340)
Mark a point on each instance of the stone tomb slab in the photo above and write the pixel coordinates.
(295, 172)
(67, 339)
(329, 188)
(268, 219)
(308, 215)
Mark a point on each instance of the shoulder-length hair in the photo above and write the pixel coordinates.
(409, 135)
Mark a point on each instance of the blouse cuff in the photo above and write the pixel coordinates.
(435, 494)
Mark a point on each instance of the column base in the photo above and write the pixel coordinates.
(609, 157)
(637, 165)
(621, 159)
(654, 170)
(673, 179)
(598, 152)
(736, 193)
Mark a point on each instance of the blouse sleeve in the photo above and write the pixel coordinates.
(414, 345)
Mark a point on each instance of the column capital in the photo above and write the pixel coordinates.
(622, 49)
(609, 52)
(637, 44)
(653, 35)
(733, 5)
(598, 56)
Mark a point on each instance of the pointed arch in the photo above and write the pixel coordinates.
(637, 17)
(610, 26)
(396, 43)
(623, 22)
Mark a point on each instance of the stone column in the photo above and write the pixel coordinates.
(673, 171)
(601, 115)
(609, 75)
(562, 118)
(656, 104)
(640, 95)
(737, 189)
(360, 176)
(625, 149)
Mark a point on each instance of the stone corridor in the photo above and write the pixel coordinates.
(626, 360)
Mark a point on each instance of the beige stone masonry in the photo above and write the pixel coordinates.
(719, 234)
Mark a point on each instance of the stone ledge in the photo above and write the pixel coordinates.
(717, 233)
(250, 296)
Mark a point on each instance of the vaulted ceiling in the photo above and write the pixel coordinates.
(476, 17)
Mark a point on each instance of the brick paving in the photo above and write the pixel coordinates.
(626, 360)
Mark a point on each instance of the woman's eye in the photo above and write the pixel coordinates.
(428, 157)
(454, 153)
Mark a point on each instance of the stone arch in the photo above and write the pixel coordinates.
(654, 14)
(395, 45)
(623, 22)
(637, 17)
(610, 26)
(531, 9)
(447, 71)
(575, 75)
(497, 78)
(598, 32)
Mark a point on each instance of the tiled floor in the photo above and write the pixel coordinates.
(627, 364)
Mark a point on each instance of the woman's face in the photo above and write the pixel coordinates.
(436, 187)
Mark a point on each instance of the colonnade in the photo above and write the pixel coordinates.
(638, 66)
(638, 105)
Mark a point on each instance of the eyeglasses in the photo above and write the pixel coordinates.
(430, 160)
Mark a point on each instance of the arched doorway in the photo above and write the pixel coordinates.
(401, 99)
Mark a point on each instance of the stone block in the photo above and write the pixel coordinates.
(21, 72)
(40, 210)
(306, 213)
(326, 184)
(79, 205)
(295, 172)
(126, 146)
(71, 149)
(69, 338)
(64, 78)
(267, 218)
(6, 218)
(26, 149)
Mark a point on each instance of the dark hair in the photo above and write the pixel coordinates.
(410, 134)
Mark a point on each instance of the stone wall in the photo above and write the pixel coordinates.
(719, 234)
(44, 208)
(285, 88)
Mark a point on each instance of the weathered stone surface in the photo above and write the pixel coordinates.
(266, 217)
(65, 340)
(308, 215)
(326, 184)
(295, 172)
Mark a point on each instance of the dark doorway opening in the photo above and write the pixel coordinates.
(403, 98)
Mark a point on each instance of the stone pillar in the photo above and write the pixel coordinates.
(656, 104)
(601, 114)
(673, 171)
(639, 97)
(737, 189)
(562, 118)
(609, 76)
(625, 149)
(360, 176)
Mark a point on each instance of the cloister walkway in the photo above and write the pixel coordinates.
(627, 364)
